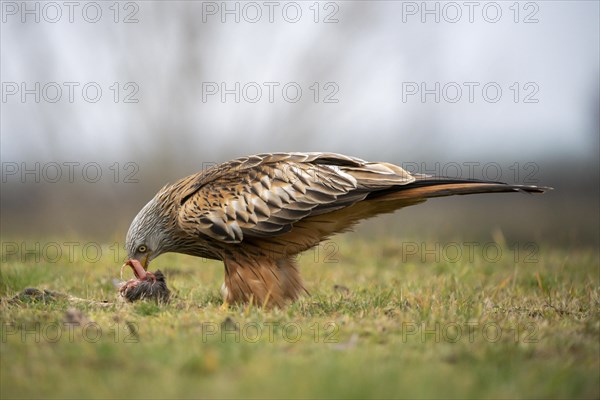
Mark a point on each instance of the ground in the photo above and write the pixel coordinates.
(385, 319)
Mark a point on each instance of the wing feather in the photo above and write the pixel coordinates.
(265, 195)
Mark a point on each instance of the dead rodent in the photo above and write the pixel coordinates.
(152, 288)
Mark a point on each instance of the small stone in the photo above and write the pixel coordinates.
(33, 295)
(229, 324)
(74, 316)
(341, 289)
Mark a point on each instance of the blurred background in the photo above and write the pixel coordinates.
(104, 103)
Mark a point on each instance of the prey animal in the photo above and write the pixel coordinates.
(154, 288)
(256, 213)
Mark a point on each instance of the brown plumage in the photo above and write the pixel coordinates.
(256, 213)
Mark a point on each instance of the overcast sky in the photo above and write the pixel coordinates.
(361, 74)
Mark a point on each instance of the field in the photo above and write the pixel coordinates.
(384, 319)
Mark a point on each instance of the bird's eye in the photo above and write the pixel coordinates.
(142, 249)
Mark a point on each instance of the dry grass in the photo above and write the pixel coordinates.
(380, 323)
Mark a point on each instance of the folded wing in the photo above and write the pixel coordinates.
(264, 196)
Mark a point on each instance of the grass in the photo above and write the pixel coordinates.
(382, 321)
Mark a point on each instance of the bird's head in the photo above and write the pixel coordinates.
(147, 237)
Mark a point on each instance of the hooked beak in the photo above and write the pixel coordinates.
(139, 268)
